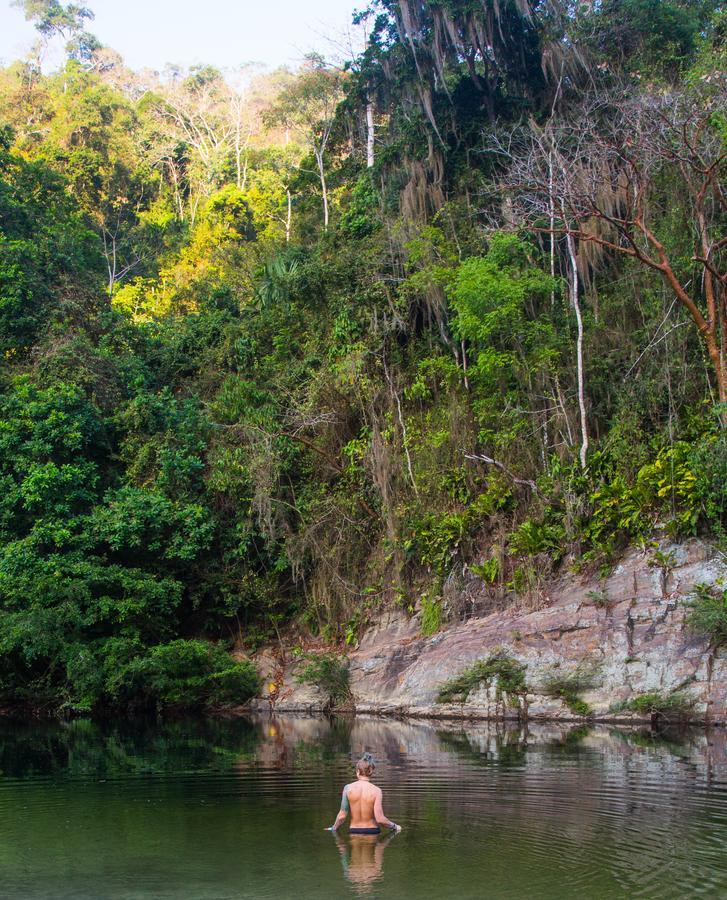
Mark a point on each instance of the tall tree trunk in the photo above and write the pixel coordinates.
(370, 135)
(238, 158)
(575, 300)
(551, 217)
(324, 189)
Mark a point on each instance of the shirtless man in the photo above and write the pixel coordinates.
(364, 801)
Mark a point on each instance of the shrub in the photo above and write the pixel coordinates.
(709, 464)
(656, 704)
(488, 571)
(532, 538)
(568, 686)
(598, 598)
(707, 613)
(679, 485)
(619, 513)
(186, 674)
(510, 675)
(436, 539)
(329, 673)
(431, 615)
(670, 483)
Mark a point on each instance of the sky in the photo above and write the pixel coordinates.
(225, 33)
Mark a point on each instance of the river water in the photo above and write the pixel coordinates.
(237, 809)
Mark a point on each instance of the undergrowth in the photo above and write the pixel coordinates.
(568, 687)
(707, 613)
(431, 615)
(329, 673)
(656, 704)
(508, 673)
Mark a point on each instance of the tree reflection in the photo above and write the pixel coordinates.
(81, 747)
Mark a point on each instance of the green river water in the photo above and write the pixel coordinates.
(237, 809)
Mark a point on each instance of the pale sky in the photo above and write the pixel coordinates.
(225, 33)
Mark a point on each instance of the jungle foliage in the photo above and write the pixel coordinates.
(277, 350)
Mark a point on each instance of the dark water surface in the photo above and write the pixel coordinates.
(236, 809)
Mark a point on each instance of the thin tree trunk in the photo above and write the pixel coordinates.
(561, 403)
(321, 172)
(238, 158)
(369, 135)
(289, 216)
(575, 300)
(405, 442)
(551, 216)
(464, 365)
(112, 277)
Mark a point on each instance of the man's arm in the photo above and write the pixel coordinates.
(342, 813)
(379, 814)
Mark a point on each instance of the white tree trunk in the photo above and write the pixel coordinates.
(324, 189)
(370, 134)
(238, 158)
(551, 216)
(575, 300)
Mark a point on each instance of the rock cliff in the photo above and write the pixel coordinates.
(616, 639)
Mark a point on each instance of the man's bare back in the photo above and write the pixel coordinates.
(364, 801)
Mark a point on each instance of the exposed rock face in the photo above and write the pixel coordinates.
(628, 631)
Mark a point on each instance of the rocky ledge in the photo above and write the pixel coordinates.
(612, 641)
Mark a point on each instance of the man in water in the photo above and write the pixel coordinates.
(364, 801)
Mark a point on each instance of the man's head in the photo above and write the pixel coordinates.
(365, 766)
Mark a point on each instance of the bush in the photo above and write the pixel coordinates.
(121, 673)
(431, 615)
(676, 705)
(329, 673)
(568, 686)
(707, 613)
(510, 675)
(191, 673)
(435, 540)
(532, 538)
(709, 464)
(599, 598)
(488, 571)
(684, 485)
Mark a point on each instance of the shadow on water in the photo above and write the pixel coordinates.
(237, 809)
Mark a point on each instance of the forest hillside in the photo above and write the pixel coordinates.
(279, 349)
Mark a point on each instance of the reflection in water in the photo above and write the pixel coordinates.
(236, 809)
(362, 856)
(81, 748)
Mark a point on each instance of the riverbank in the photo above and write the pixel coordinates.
(612, 649)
